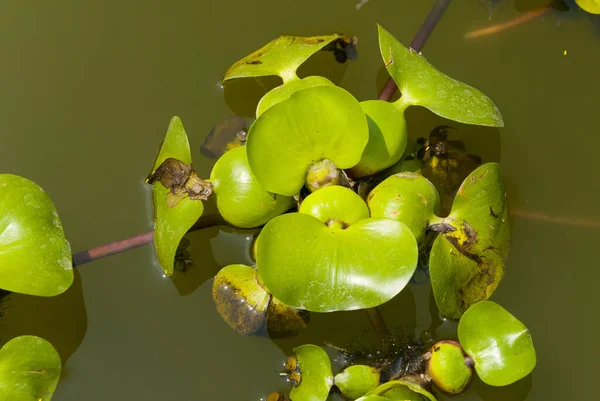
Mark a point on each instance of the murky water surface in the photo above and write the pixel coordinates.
(87, 90)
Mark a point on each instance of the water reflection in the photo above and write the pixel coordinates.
(61, 320)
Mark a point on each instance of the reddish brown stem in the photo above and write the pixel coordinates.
(418, 42)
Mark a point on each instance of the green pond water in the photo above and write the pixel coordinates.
(86, 93)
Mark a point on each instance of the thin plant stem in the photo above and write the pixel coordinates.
(418, 42)
(112, 248)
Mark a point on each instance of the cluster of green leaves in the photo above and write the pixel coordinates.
(493, 341)
(35, 259)
(344, 252)
(339, 250)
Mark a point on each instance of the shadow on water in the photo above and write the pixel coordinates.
(61, 320)
(342, 328)
(517, 391)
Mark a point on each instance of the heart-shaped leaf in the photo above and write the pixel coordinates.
(29, 369)
(322, 122)
(591, 6)
(387, 137)
(422, 84)
(173, 219)
(241, 199)
(335, 204)
(35, 257)
(281, 56)
(357, 380)
(499, 343)
(310, 265)
(283, 92)
(316, 377)
(406, 197)
(399, 390)
(467, 262)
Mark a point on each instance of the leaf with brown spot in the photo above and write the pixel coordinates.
(281, 56)
(241, 301)
(467, 264)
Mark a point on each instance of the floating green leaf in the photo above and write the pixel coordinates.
(241, 199)
(387, 137)
(172, 222)
(241, 301)
(335, 204)
(283, 92)
(316, 378)
(322, 122)
(406, 197)
(284, 321)
(591, 6)
(357, 380)
(346, 265)
(281, 56)
(35, 257)
(467, 261)
(399, 390)
(422, 84)
(499, 343)
(448, 368)
(29, 369)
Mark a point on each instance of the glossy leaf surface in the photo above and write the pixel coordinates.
(316, 377)
(241, 301)
(499, 343)
(241, 199)
(29, 369)
(323, 122)
(335, 203)
(283, 92)
(422, 84)
(387, 137)
(35, 257)
(467, 261)
(406, 197)
(281, 56)
(310, 266)
(357, 380)
(171, 223)
(447, 367)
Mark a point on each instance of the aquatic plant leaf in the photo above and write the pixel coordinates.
(373, 398)
(316, 377)
(467, 261)
(241, 301)
(357, 380)
(322, 122)
(406, 197)
(309, 265)
(29, 369)
(387, 137)
(241, 199)
(35, 257)
(499, 343)
(400, 390)
(448, 368)
(422, 84)
(283, 92)
(172, 221)
(591, 6)
(281, 56)
(335, 203)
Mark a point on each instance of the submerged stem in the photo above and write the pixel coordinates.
(418, 42)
